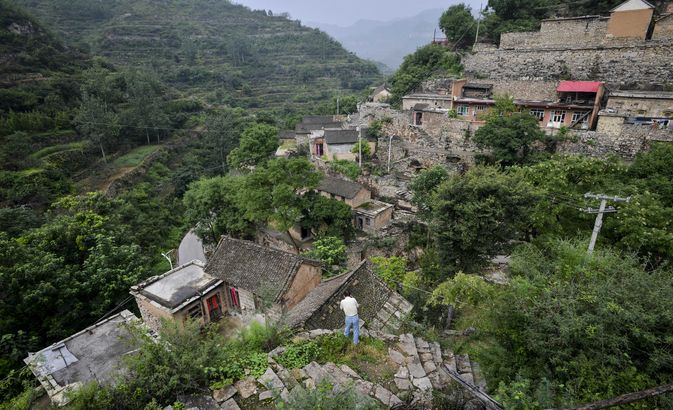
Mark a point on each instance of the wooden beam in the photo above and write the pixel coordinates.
(625, 399)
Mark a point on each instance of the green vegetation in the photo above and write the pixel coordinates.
(459, 25)
(257, 144)
(424, 63)
(135, 157)
(508, 133)
(349, 169)
(331, 251)
(201, 48)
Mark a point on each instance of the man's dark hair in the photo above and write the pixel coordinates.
(347, 293)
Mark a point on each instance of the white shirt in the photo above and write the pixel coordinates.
(349, 305)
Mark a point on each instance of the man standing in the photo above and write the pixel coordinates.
(350, 307)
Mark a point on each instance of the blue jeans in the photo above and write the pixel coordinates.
(354, 322)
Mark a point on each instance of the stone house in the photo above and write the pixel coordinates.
(373, 215)
(338, 144)
(380, 306)
(352, 193)
(256, 277)
(312, 123)
(186, 292)
(93, 354)
(381, 94)
(653, 109)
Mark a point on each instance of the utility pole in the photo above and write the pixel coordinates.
(360, 146)
(603, 209)
(337, 105)
(476, 37)
(390, 150)
(167, 255)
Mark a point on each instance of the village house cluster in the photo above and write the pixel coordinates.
(243, 281)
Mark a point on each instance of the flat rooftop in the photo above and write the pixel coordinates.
(663, 95)
(94, 353)
(372, 208)
(177, 286)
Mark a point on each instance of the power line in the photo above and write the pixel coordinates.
(113, 310)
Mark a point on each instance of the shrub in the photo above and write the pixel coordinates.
(325, 397)
(299, 355)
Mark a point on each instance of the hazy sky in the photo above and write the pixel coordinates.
(346, 12)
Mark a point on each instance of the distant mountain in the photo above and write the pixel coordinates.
(222, 52)
(386, 41)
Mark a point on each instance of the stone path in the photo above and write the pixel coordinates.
(422, 367)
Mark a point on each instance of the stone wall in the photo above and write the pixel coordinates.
(663, 30)
(526, 89)
(646, 65)
(626, 144)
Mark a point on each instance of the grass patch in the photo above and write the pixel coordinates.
(54, 149)
(369, 358)
(135, 157)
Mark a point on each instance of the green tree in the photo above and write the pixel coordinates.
(425, 185)
(578, 328)
(326, 216)
(256, 145)
(508, 134)
(211, 207)
(271, 193)
(144, 111)
(366, 150)
(459, 25)
(223, 130)
(477, 216)
(98, 122)
(392, 270)
(654, 171)
(421, 65)
(331, 251)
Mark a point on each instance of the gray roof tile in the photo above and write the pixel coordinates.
(255, 268)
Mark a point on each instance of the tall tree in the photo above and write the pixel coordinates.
(508, 134)
(145, 114)
(477, 216)
(256, 145)
(459, 25)
(271, 193)
(98, 122)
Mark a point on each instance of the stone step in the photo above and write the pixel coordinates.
(422, 346)
(479, 381)
(463, 363)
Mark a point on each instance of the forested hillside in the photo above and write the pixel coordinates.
(223, 52)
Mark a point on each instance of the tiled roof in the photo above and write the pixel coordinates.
(579, 86)
(317, 297)
(334, 136)
(340, 187)
(258, 269)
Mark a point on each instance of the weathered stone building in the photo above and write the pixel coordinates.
(186, 292)
(380, 306)
(615, 50)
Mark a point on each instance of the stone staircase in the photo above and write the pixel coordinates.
(426, 365)
(423, 367)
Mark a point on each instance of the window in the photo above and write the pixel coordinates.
(419, 118)
(462, 109)
(194, 312)
(537, 113)
(319, 149)
(558, 116)
(368, 221)
(478, 108)
(584, 115)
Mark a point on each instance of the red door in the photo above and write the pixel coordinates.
(214, 308)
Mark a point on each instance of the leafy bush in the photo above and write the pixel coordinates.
(331, 251)
(347, 168)
(299, 355)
